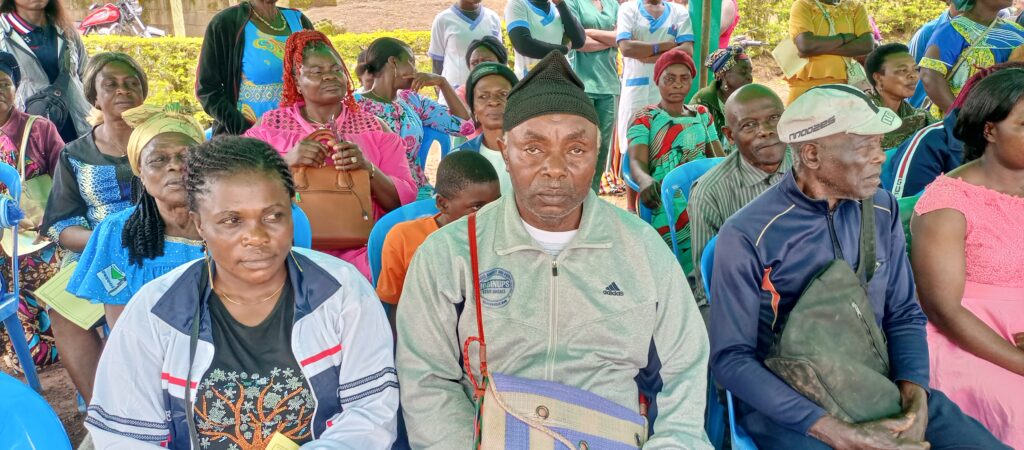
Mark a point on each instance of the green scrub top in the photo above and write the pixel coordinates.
(598, 70)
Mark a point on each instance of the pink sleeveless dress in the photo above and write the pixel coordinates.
(994, 292)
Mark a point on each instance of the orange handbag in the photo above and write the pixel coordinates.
(337, 203)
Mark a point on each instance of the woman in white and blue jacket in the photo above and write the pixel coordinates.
(271, 341)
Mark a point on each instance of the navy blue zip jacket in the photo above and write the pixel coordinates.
(920, 159)
(766, 255)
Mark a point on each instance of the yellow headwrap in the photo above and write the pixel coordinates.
(149, 121)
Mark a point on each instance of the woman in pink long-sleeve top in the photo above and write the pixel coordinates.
(317, 95)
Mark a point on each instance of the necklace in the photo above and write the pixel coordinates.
(373, 96)
(282, 27)
(278, 291)
(325, 124)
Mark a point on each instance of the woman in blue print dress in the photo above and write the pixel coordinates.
(93, 180)
(137, 245)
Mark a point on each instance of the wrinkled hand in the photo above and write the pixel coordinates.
(877, 435)
(914, 401)
(347, 156)
(421, 80)
(650, 196)
(306, 153)
(1018, 339)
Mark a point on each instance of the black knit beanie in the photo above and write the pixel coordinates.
(485, 70)
(551, 87)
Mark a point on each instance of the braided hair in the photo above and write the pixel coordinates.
(295, 52)
(143, 233)
(231, 155)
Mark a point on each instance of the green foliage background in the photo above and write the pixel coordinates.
(170, 62)
(768, 20)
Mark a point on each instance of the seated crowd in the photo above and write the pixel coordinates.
(524, 311)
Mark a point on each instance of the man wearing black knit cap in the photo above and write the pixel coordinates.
(553, 309)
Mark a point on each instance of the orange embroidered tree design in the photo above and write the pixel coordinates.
(247, 409)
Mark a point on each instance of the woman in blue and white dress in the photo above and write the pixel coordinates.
(645, 30)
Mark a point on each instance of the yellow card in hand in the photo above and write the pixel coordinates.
(279, 442)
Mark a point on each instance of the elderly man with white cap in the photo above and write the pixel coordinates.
(788, 311)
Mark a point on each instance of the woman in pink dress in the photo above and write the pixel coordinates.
(317, 91)
(968, 259)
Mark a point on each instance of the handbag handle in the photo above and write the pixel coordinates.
(343, 182)
(481, 385)
(24, 144)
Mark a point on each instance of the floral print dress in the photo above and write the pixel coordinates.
(409, 115)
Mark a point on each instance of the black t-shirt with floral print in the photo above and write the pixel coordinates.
(254, 386)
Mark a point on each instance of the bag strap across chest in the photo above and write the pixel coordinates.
(866, 262)
(479, 386)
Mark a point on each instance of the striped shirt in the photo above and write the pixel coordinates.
(722, 191)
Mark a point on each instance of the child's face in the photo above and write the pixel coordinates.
(469, 200)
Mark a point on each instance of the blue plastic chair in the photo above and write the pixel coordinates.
(644, 212)
(740, 439)
(26, 421)
(714, 422)
(375, 244)
(9, 218)
(681, 179)
(303, 232)
(430, 136)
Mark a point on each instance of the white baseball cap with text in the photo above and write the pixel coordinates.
(832, 109)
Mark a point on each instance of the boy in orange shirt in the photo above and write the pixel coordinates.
(466, 182)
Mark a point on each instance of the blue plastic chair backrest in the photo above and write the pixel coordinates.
(375, 244)
(430, 136)
(9, 177)
(681, 179)
(26, 420)
(644, 212)
(303, 233)
(707, 263)
(740, 439)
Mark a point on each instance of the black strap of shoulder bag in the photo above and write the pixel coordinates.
(866, 263)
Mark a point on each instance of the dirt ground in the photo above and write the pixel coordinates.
(63, 398)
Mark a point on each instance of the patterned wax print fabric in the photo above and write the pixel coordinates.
(87, 187)
(672, 142)
(262, 63)
(955, 38)
(408, 115)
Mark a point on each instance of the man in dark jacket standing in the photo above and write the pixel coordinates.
(778, 244)
(220, 72)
